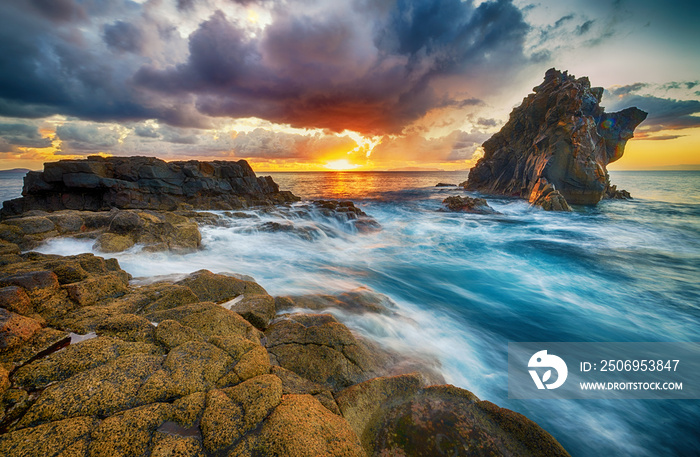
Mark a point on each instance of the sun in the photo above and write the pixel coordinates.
(341, 165)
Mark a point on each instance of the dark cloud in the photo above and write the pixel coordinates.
(60, 10)
(86, 137)
(263, 143)
(21, 135)
(585, 27)
(488, 122)
(123, 36)
(664, 113)
(626, 90)
(561, 21)
(344, 71)
(146, 131)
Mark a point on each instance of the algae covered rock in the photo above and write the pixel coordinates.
(321, 349)
(468, 205)
(103, 390)
(301, 427)
(396, 416)
(63, 437)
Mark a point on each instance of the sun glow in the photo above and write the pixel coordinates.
(341, 165)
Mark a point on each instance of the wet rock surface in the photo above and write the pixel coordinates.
(468, 205)
(113, 231)
(558, 140)
(99, 183)
(184, 368)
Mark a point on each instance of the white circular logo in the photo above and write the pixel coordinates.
(543, 360)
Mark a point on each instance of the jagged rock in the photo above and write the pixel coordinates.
(396, 416)
(612, 193)
(99, 183)
(545, 195)
(559, 133)
(444, 184)
(258, 309)
(468, 205)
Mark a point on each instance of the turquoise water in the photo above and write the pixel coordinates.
(466, 285)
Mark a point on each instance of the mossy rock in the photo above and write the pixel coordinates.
(130, 432)
(63, 437)
(91, 290)
(74, 359)
(45, 340)
(231, 413)
(301, 427)
(128, 327)
(395, 416)
(172, 334)
(112, 242)
(258, 309)
(321, 349)
(102, 391)
(219, 288)
(209, 320)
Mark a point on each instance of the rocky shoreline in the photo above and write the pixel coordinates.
(94, 363)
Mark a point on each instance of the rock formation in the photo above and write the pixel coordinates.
(99, 183)
(468, 205)
(202, 367)
(556, 146)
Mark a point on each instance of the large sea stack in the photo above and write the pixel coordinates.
(556, 146)
(99, 183)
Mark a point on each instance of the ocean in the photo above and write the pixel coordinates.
(465, 285)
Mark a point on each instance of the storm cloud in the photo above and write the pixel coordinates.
(369, 66)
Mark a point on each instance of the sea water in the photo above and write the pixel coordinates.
(465, 285)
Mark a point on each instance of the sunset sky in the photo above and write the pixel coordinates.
(331, 84)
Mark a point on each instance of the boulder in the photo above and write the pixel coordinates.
(396, 416)
(468, 205)
(209, 320)
(301, 427)
(15, 329)
(111, 242)
(218, 288)
(99, 183)
(258, 309)
(561, 134)
(321, 349)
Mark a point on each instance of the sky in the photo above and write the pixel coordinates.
(331, 84)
